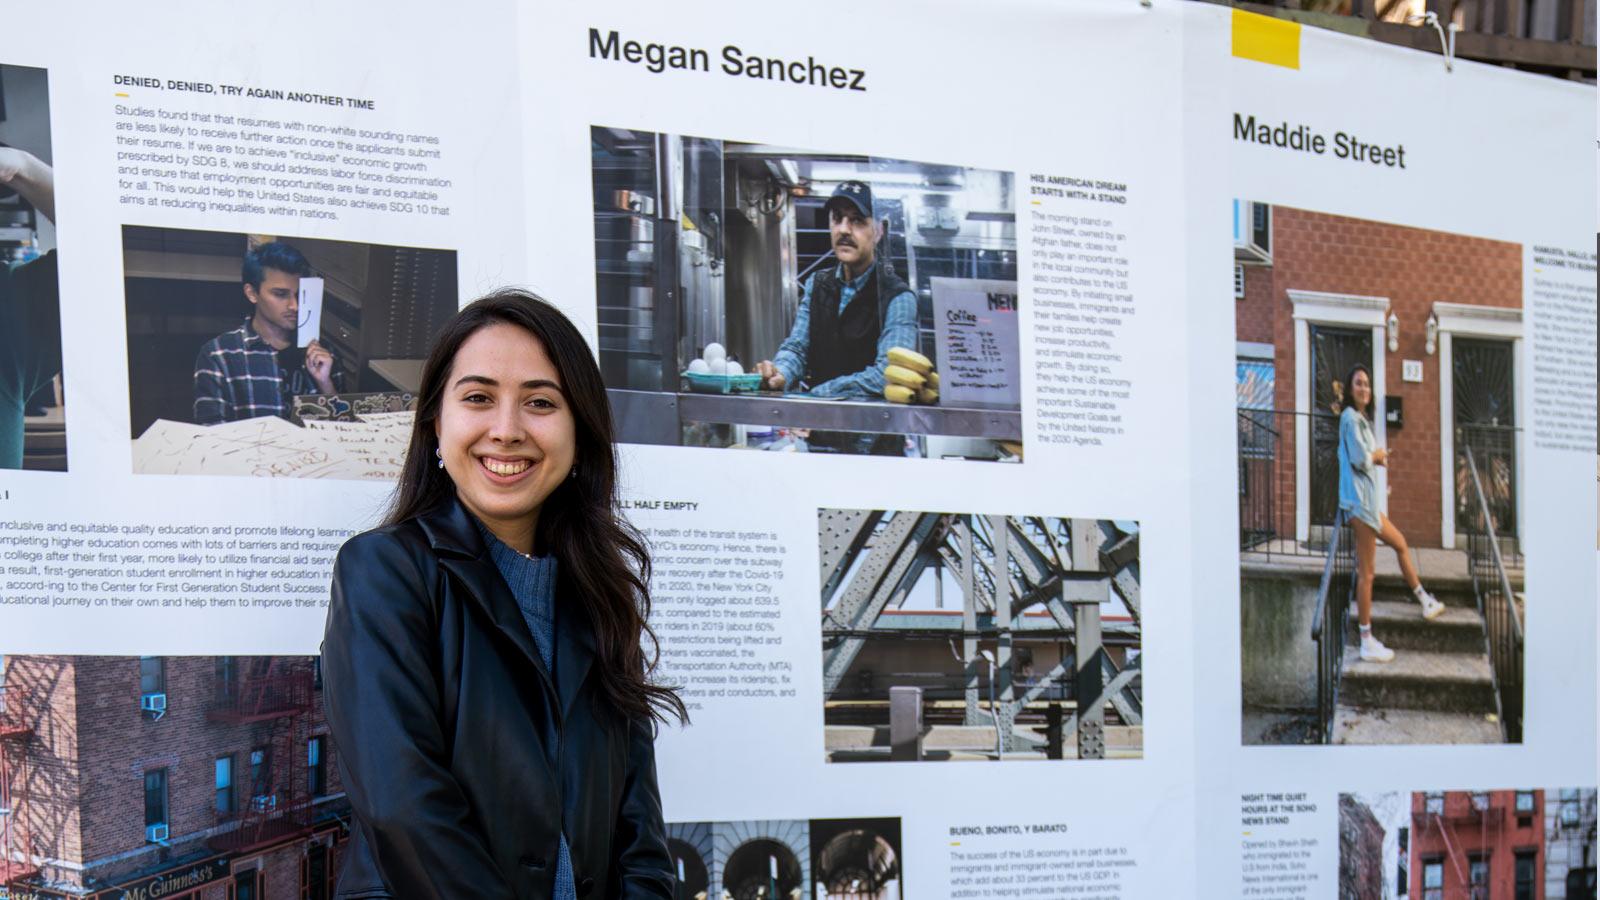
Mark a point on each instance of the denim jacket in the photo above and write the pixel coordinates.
(1358, 492)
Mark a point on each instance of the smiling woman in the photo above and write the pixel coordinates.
(505, 430)
(496, 617)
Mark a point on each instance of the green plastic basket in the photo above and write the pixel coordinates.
(722, 384)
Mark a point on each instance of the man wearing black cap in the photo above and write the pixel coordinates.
(850, 316)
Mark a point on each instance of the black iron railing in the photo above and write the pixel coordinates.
(264, 818)
(1262, 518)
(1497, 602)
(260, 697)
(1494, 450)
(1267, 480)
(1330, 622)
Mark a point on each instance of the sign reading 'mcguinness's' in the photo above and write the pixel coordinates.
(170, 884)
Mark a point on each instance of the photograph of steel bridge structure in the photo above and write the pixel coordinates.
(958, 636)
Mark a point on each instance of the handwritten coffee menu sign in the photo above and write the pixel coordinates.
(975, 329)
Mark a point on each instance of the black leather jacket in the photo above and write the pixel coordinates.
(439, 704)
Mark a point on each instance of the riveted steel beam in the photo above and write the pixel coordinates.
(841, 533)
(891, 552)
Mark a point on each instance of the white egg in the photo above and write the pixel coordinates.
(715, 350)
(699, 367)
(734, 368)
(719, 366)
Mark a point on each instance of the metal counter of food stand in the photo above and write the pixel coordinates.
(653, 417)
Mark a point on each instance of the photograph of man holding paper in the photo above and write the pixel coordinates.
(770, 298)
(242, 374)
(276, 356)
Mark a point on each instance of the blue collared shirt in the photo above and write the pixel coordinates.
(899, 330)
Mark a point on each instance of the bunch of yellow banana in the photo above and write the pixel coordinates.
(910, 378)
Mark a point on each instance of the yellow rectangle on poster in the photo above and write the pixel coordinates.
(1266, 39)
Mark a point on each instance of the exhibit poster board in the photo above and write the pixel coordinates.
(999, 550)
(1470, 314)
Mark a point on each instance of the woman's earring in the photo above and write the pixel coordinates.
(439, 453)
(573, 472)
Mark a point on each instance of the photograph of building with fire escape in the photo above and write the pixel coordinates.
(185, 778)
(958, 636)
(1524, 844)
(819, 859)
(1380, 450)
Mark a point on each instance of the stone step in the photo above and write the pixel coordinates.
(1355, 725)
(1402, 594)
(1401, 626)
(1419, 679)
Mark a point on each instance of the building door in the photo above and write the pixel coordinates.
(1333, 351)
(1484, 389)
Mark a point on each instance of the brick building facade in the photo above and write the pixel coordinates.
(1361, 869)
(1310, 288)
(190, 778)
(1470, 845)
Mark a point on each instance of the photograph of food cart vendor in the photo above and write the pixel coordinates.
(839, 348)
(257, 369)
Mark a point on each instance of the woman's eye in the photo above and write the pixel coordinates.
(476, 398)
(541, 403)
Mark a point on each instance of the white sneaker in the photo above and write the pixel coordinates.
(1373, 650)
(1431, 608)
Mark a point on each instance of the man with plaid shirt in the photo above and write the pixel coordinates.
(239, 374)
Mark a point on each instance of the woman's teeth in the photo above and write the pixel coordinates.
(506, 468)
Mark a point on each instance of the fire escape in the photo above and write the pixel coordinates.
(16, 731)
(271, 695)
(1468, 828)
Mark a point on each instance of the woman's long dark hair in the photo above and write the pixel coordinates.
(600, 556)
(1347, 401)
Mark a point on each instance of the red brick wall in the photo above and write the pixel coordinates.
(44, 767)
(1254, 314)
(1361, 871)
(1413, 268)
(90, 754)
(280, 870)
(120, 743)
(1497, 836)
